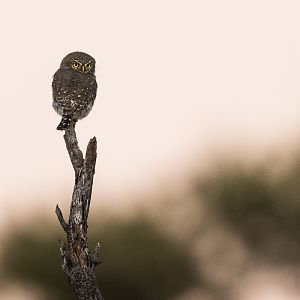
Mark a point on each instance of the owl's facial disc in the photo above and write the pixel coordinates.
(81, 67)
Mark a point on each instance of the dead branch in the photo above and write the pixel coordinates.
(78, 263)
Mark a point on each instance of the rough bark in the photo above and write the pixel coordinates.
(78, 263)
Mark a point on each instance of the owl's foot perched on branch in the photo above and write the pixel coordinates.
(65, 122)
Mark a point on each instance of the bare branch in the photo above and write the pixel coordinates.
(78, 264)
(89, 171)
(91, 155)
(75, 153)
(95, 255)
(61, 218)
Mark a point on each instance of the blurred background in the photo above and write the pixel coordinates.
(197, 184)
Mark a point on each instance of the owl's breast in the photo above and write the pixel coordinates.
(73, 92)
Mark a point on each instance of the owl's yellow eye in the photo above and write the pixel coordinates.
(88, 66)
(75, 65)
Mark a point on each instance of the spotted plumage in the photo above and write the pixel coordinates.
(74, 88)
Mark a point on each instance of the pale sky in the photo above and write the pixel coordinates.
(176, 79)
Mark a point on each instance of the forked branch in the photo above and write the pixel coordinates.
(78, 263)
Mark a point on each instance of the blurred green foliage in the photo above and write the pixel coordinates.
(262, 209)
(142, 262)
(33, 258)
(139, 261)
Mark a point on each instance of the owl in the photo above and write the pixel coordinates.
(74, 88)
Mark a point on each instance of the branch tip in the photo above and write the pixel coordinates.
(95, 255)
(61, 219)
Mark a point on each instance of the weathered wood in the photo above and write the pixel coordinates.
(78, 263)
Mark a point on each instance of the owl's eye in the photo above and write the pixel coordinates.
(75, 65)
(88, 66)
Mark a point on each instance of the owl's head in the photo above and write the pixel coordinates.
(80, 62)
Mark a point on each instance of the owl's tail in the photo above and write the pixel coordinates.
(65, 122)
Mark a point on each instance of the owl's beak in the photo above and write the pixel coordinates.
(82, 69)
